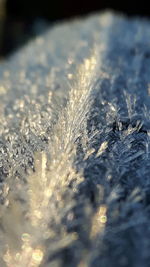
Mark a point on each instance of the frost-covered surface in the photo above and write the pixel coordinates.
(74, 146)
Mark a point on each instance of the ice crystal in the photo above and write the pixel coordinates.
(74, 146)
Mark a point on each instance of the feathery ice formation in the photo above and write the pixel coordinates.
(74, 146)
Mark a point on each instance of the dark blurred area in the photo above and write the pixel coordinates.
(21, 20)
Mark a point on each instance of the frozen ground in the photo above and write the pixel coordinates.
(95, 139)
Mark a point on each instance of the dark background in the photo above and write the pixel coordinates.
(21, 20)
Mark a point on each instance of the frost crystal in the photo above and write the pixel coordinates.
(74, 146)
